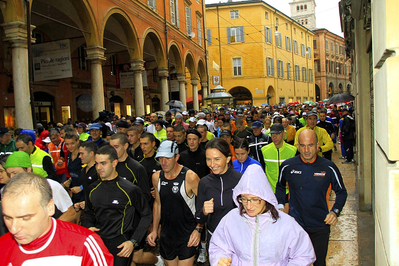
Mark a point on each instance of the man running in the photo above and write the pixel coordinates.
(174, 208)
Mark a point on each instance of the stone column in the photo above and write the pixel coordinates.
(195, 82)
(204, 86)
(182, 90)
(138, 67)
(163, 73)
(15, 33)
(96, 56)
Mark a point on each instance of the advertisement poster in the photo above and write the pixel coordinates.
(52, 60)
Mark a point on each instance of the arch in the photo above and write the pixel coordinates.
(189, 63)
(175, 57)
(242, 96)
(318, 93)
(348, 88)
(122, 29)
(201, 69)
(153, 49)
(330, 91)
(77, 13)
(271, 95)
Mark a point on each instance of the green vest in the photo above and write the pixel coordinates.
(209, 135)
(84, 136)
(274, 158)
(161, 135)
(36, 159)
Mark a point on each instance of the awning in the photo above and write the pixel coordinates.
(189, 100)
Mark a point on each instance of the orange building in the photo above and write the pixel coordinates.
(129, 57)
(332, 66)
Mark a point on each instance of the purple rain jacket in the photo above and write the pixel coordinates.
(259, 240)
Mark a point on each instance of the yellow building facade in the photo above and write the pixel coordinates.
(259, 54)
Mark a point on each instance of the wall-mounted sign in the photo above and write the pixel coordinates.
(52, 60)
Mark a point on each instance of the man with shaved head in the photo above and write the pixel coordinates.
(310, 178)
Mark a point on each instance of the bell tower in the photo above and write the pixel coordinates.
(304, 12)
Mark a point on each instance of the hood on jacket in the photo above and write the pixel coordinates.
(254, 182)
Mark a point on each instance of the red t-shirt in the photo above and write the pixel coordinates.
(64, 244)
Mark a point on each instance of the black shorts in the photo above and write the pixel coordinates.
(171, 248)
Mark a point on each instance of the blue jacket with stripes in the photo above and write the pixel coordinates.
(309, 186)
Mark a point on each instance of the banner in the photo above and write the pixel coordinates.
(52, 60)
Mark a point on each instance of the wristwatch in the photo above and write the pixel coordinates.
(336, 211)
(199, 230)
(135, 244)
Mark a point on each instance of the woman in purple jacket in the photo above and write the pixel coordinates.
(256, 233)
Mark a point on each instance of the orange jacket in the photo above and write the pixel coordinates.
(54, 152)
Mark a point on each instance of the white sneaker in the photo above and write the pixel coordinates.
(160, 261)
(202, 256)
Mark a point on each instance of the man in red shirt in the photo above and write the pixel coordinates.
(36, 238)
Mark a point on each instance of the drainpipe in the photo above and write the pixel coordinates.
(30, 74)
(205, 48)
(166, 47)
(220, 50)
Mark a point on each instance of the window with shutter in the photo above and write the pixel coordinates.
(208, 36)
(151, 4)
(237, 67)
(188, 20)
(199, 28)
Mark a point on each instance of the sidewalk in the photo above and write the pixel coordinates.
(353, 236)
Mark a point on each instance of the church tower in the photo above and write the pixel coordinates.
(304, 11)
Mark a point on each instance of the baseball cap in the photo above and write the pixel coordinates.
(168, 113)
(249, 119)
(3, 130)
(178, 116)
(201, 122)
(184, 113)
(18, 159)
(30, 132)
(201, 114)
(276, 128)
(226, 132)
(95, 126)
(192, 119)
(139, 121)
(257, 124)
(167, 149)
(81, 124)
(47, 140)
(311, 113)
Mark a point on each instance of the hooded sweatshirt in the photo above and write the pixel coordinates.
(259, 240)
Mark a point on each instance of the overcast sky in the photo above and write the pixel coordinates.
(327, 12)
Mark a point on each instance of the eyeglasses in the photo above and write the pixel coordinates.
(253, 201)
